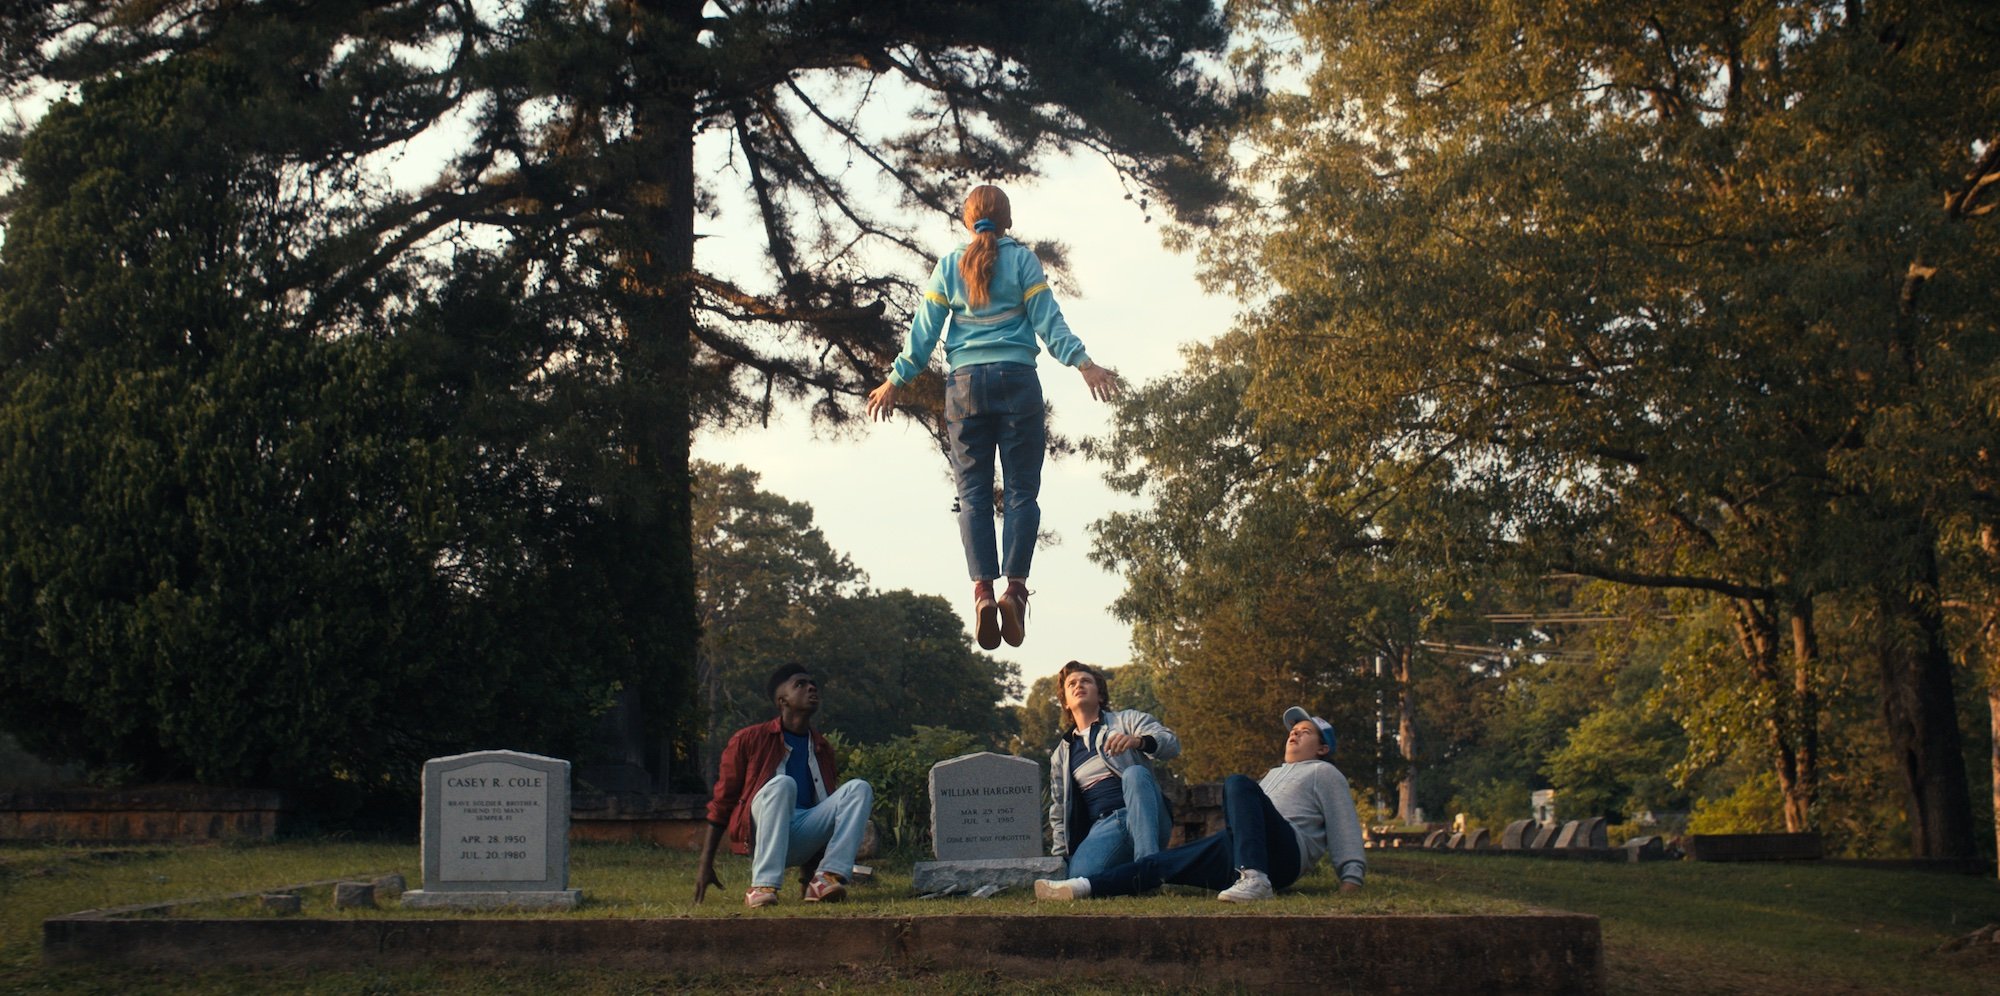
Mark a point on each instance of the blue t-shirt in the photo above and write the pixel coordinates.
(798, 764)
(1107, 794)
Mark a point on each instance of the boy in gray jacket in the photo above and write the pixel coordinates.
(1105, 808)
(1277, 827)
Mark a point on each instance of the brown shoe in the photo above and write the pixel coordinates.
(826, 887)
(987, 612)
(1014, 613)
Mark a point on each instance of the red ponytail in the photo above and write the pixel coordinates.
(985, 203)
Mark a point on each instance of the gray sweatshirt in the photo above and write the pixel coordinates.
(1313, 798)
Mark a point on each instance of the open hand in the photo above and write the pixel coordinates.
(882, 401)
(1103, 382)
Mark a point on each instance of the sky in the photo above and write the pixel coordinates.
(883, 495)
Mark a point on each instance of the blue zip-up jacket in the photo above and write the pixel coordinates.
(1019, 311)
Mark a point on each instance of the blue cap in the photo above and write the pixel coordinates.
(1295, 715)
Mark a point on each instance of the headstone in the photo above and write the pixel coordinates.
(986, 805)
(496, 832)
(1455, 842)
(1518, 835)
(1437, 839)
(1592, 833)
(1545, 837)
(1568, 838)
(986, 827)
(1478, 840)
(1543, 802)
(1645, 849)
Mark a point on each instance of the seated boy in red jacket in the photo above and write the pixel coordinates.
(776, 799)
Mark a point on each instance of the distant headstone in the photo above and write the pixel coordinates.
(986, 826)
(1592, 833)
(1518, 835)
(1568, 838)
(1543, 802)
(1478, 840)
(1437, 839)
(1545, 837)
(1455, 842)
(1645, 849)
(496, 832)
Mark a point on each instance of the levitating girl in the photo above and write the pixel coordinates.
(998, 304)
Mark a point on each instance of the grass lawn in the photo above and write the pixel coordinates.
(1668, 927)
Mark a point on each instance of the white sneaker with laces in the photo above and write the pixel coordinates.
(1251, 885)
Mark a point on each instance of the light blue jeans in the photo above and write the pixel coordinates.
(1129, 834)
(785, 835)
(996, 409)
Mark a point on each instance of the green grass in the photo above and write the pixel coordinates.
(1668, 927)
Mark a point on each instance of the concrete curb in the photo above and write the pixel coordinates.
(1533, 953)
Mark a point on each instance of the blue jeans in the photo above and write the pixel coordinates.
(785, 835)
(1257, 836)
(1128, 834)
(994, 408)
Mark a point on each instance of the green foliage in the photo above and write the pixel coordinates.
(1754, 806)
(774, 592)
(899, 769)
(240, 555)
(277, 188)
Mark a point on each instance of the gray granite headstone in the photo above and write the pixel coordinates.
(984, 806)
(1455, 842)
(1571, 832)
(495, 832)
(1478, 840)
(1518, 835)
(1592, 833)
(1437, 839)
(1545, 837)
(986, 826)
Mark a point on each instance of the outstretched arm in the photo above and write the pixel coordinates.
(704, 875)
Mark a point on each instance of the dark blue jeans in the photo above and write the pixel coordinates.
(989, 409)
(1256, 836)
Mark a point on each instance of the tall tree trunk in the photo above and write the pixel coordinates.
(656, 307)
(1757, 637)
(1805, 711)
(1406, 740)
(1922, 717)
(1989, 635)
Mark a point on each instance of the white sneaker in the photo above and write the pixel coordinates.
(1251, 885)
(1062, 890)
